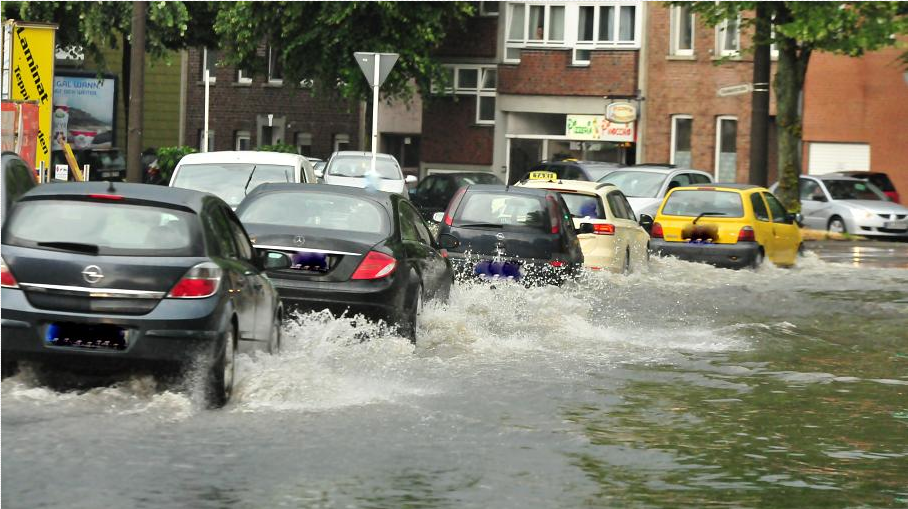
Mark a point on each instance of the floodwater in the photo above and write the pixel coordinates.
(680, 386)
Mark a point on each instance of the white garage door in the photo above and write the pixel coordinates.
(830, 157)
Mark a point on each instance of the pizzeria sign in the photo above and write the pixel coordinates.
(598, 128)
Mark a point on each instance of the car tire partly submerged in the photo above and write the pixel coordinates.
(837, 225)
(410, 322)
(758, 259)
(274, 341)
(221, 374)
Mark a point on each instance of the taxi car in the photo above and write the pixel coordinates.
(727, 225)
(609, 234)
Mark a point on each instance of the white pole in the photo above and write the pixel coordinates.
(375, 77)
(205, 130)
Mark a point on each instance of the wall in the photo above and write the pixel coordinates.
(450, 133)
(550, 72)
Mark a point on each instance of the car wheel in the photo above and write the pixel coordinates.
(9, 368)
(758, 260)
(274, 341)
(220, 377)
(627, 261)
(411, 321)
(837, 225)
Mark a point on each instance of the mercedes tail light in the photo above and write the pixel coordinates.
(375, 266)
(201, 281)
(554, 213)
(604, 229)
(656, 231)
(453, 204)
(556, 263)
(6, 277)
(746, 234)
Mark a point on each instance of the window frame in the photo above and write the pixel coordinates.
(271, 80)
(485, 13)
(242, 79)
(673, 136)
(212, 73)
(721, 33)
(242, 135)
(758, 198)
(675, 33)
(718, 147)
(479, 91)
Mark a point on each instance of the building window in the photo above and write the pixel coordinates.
(243, 77)
(202, 145)
(242, 140)
(681, 134)
(726, 149)
(304, 143)
(478, 81)
(682, 30)
(341, 142)
(488, 8)
(209, 59)
(727, 38)
(275, 66)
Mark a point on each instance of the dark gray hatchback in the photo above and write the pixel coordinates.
(102, 278)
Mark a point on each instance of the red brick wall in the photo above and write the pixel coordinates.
(860, 100)
(450, 133)
(477, 39)
(549, 72)
(689, 87)
(234, 108)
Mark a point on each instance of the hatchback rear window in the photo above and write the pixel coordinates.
(501, 209)
(317, 210)
(584, 205)
(882, 181)
(110, 228)
(711, 203)
(230, 181)
(359, 166)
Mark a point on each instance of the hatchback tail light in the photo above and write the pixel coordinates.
(453, 204)
(6, 277)
(201, 281)
(375, 266)
(554, 214)
(746, 234)
(656, 231)
(604, 229)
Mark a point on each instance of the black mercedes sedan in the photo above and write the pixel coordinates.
(349, 250)
(103, 277)
(497, 232)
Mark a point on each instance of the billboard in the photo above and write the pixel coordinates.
(84, 110)
(598, 128)
(28, 67)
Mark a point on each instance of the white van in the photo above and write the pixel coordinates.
(231, 175)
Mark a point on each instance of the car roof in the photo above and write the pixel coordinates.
(178, 196)
(725, 186)
(857, 173)
(460, 173)
(831, 176)
(241, 156)
(581, 162)
(278, 187)
(360, 153)
(664, 170)
(567, 185)
(502, 188)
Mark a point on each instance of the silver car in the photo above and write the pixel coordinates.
(353, 168)
(646, 185)
(848, 205)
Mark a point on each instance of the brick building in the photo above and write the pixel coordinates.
(246, 111)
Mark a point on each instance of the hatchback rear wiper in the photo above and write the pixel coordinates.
(480, 225)
(71, 246)
(708, 214)
(251, 173)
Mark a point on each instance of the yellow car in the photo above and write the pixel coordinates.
(609, 235)
(727, 225)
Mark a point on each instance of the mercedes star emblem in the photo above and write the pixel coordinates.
(92, 274)
(499, 236)
(299, 240)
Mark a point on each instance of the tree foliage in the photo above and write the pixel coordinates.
(316, 40)
(799, 29)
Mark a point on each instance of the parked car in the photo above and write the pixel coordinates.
(352, 168)
(847, 205)
(231, 175)
(512, 233)
(318, 166)
(117, 277)
(609, 234)
(348, 250)
(104, 163)
(573, 169)
(646, 185)
(18, 178)
(436, 190)
(879, 179)
(727, 225)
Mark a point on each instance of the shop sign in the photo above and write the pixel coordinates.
(598, 128)
(621, 113)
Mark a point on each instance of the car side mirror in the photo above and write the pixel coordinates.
(646, 221)
(585, 228)
(438, 217)
(819, 197)
(272, 260)
(320, 173)
(797, 218)
(411, 179)
(448, 241)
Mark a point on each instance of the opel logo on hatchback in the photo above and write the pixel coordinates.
(299, 240)
(92, 274)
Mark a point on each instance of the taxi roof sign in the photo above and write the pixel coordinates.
(543, 175)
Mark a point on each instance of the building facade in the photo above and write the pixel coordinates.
(249, 111)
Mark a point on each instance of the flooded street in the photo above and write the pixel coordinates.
(684, 385)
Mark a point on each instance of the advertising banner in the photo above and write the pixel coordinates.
(31, 70)
(598, 128)
(84, 111)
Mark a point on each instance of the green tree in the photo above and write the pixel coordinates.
(316, 40)
(799, 29)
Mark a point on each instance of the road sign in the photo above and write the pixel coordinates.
(366, 62)
(735, 90)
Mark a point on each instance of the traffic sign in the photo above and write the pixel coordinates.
(366, 62)
(735, 90)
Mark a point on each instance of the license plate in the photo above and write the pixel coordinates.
(896, 225)
(304, 260)
(87, 336)
(489, 269)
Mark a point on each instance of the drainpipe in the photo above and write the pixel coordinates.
(642, 85)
